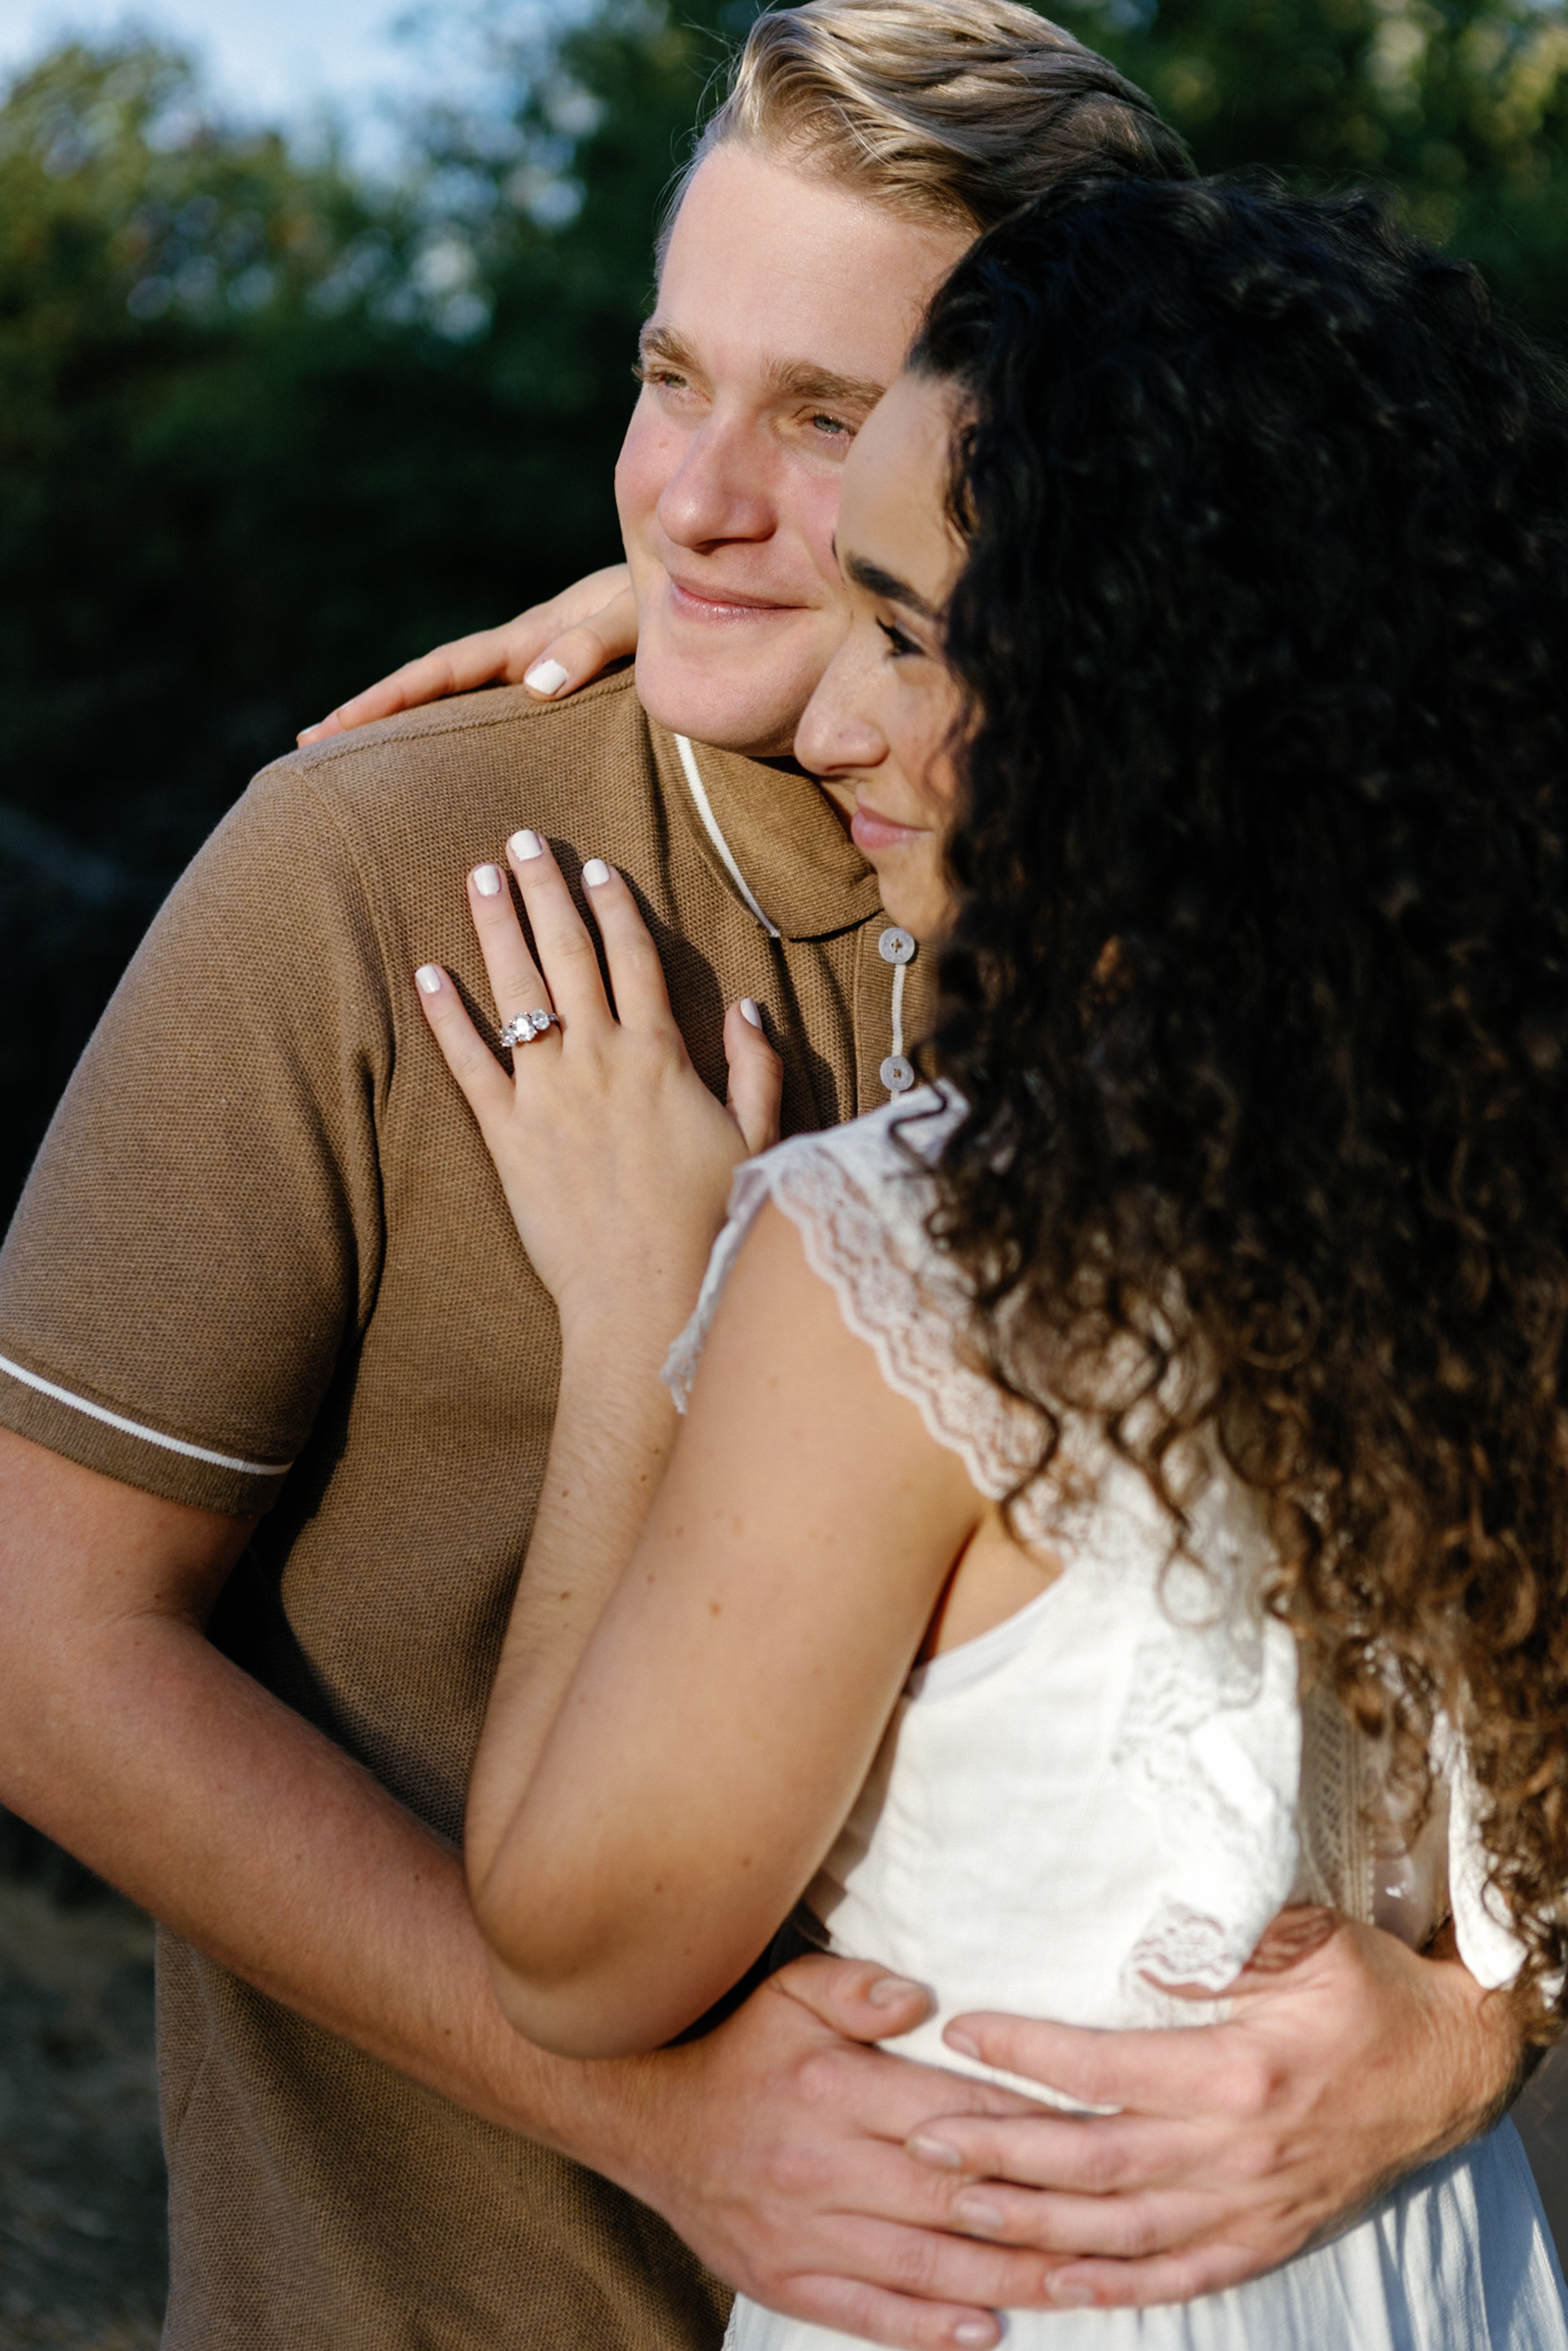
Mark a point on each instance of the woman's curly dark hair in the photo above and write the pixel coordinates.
(1257, 991)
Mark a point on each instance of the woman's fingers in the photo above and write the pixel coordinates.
(459, 668)
(756, 1076)
(579, 653)
(485, 1087)
(588, 625)
(565, 978)
(642, 1002)
(561, 938)
(636, 975)
(517, 984)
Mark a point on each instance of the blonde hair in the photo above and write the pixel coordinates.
(948, 110)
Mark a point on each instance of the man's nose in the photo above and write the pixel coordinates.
(719, 492)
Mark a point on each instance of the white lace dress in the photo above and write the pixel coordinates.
(1101, 1793)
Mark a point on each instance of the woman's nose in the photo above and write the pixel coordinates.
(719, 492)
(837, 733)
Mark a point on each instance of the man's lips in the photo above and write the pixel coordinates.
(871, 831)
(724, 604)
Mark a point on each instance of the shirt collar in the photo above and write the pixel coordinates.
(794, 857)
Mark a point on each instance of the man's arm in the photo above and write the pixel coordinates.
(1348, 2062)
(132, 1740)
(817, 2173)
(774, 2146)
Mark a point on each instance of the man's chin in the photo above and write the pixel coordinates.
(721, 704)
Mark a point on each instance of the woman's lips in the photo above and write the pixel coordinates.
(871, 831)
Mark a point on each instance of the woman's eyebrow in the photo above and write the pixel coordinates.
(878, 583)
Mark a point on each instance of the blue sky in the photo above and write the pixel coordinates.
(277, 59)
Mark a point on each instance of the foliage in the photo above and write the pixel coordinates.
(1463, 106)
(266, 429)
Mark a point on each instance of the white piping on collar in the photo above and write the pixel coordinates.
(704, 808)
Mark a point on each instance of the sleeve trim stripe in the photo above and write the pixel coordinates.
(135, 1428)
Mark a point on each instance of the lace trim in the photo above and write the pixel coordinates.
(1208, 1740)
(910, 1320)
(1209, 1746)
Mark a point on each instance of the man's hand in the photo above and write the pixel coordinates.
(774, 2147)
(552, 649)
(1238, 2144)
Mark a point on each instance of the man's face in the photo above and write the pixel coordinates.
(785, 308)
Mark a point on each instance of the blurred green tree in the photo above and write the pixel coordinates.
(265, 430)
(1462, 105)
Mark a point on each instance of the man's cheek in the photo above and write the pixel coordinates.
(649, 456)
(820, 513)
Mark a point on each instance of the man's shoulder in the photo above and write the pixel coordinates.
(479, 756)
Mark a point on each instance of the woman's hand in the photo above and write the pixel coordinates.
(614, 1159)
(552, 649)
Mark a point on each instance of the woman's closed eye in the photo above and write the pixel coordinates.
(899, 646)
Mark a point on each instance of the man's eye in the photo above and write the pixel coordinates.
(833, 427)
(899, 645)
(663, 379)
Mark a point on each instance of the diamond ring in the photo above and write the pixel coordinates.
(525, 1026)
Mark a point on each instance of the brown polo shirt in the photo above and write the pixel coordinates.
(263, 1265)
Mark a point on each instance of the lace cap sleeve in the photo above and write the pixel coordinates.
(859, 1197)
(1489, 1945)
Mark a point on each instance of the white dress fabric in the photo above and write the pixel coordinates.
(1099, 1796)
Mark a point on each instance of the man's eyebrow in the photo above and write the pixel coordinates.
(791, 379)
(878, 583)
(663, 343)
(803, 379)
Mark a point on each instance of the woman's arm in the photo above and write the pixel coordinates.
(552, 649)
(616, 1161)
(640, 1823)
(730, 1703)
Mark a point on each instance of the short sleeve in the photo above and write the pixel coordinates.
(859, 1197)
(202, 1232)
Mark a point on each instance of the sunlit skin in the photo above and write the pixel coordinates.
(785, 307)
(878, 728)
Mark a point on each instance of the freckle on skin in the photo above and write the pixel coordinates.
(714, 1608)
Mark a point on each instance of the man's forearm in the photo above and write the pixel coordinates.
(244, 1829)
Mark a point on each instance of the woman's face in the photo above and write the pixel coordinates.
(877, 729)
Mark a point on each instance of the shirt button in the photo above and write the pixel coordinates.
(896, 946)
(897, 1074)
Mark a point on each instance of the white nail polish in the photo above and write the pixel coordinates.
(487, 881)
(596, 873)
(750, 1012)
(526, 844)
(545, 677)
(429, 979)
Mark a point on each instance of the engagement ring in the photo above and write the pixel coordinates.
(528, 1025)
